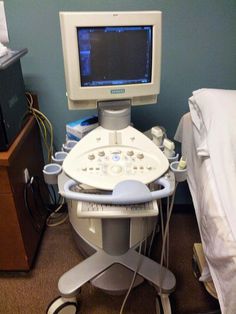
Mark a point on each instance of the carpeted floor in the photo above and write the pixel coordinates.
(30, 293)
(190, 296)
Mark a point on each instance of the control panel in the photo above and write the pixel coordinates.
(104, 166)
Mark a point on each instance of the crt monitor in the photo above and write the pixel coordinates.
(111, 55)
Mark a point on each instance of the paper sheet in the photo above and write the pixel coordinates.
(3, 25)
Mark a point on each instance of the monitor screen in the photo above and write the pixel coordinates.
(115, 55)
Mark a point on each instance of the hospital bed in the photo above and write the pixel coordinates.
(208, 137)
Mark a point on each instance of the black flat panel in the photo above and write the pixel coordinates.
(13, 103)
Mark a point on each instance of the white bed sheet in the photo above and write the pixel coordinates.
(217, 239)
(213, 113)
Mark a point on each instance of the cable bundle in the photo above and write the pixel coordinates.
(45, 126)
(56, 211)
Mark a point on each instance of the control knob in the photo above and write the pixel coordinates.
(140, 156)
(130, 153)
(91, 156)
(101, 153)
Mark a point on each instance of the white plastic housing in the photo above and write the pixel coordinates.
(80, 97)
(104, 158)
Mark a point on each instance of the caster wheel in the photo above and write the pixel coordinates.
(63, 306)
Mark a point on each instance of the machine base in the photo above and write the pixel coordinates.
(115, 280)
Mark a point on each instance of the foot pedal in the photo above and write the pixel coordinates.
(199, 258)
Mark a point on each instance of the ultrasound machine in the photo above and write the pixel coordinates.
(114, 177)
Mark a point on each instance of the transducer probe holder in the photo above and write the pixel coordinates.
(180, 174)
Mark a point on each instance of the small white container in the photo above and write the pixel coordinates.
(59, 157)
(67, 147)
(51, 172)
(174, 158)
(180, 174)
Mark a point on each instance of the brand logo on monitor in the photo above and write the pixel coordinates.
(118, 91)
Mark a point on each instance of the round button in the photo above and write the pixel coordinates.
(116, 157)
(91, 156)
(116, 169)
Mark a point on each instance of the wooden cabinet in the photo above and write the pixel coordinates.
(20, 232)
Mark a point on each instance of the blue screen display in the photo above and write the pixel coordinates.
(117, 55)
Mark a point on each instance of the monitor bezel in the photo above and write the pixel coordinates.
(70, 21)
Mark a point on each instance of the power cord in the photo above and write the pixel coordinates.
(152, 238)
(134, 275)
(28, 205)
(166, 232)
(57, 217)
(56, 211)
(165, 238)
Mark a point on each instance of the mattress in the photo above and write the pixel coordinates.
(217, 238)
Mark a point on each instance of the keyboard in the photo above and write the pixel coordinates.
(94, 210)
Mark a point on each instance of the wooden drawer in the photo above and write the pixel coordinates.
(21, 227)
(5, 186)
(12, 253)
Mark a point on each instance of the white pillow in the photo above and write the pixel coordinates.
(213, 112)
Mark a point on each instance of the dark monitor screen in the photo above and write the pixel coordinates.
(117, 55)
